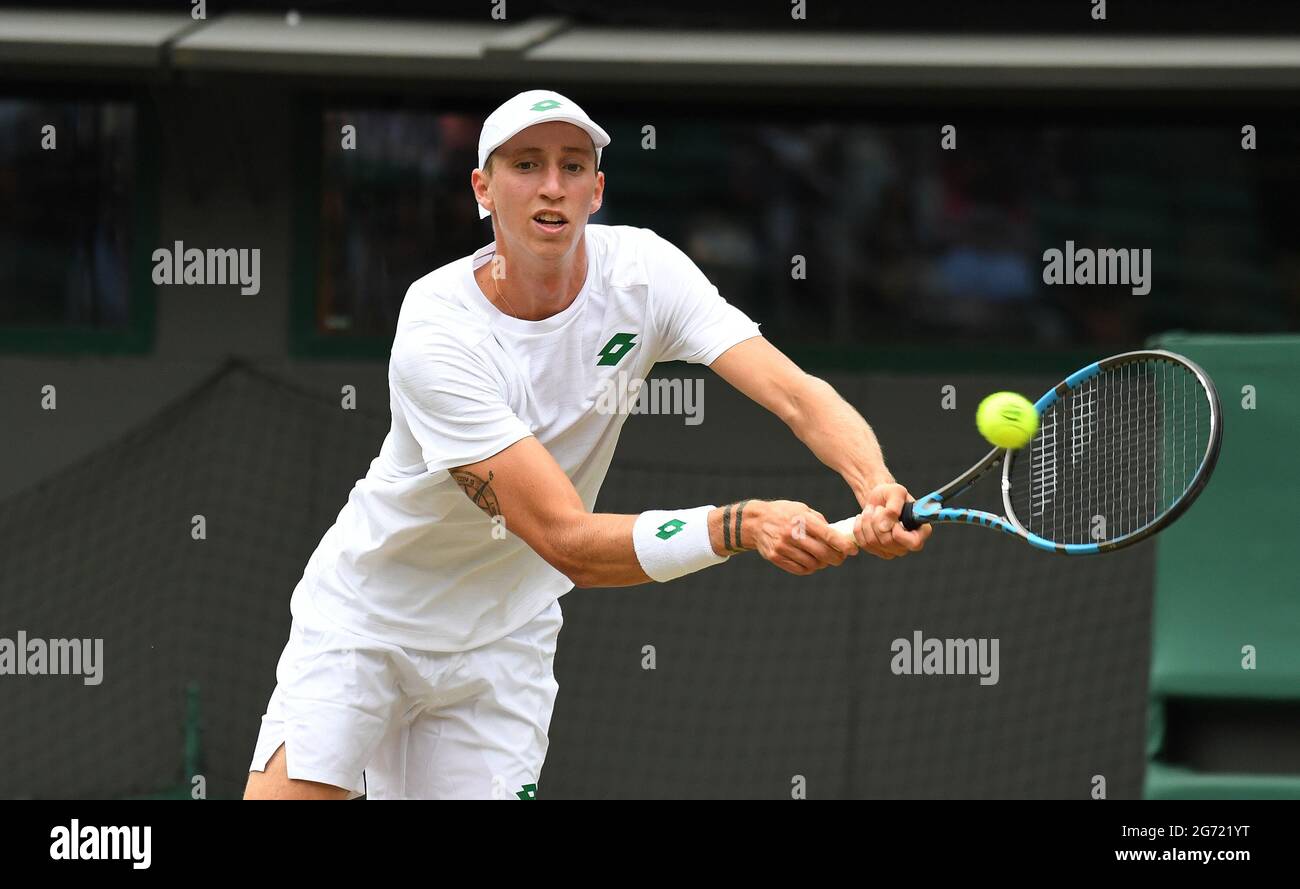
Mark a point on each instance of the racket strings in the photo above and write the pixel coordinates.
(1114, 454)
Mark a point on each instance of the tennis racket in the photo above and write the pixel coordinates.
(1123, 448)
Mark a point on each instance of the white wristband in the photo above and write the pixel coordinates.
(673, 542)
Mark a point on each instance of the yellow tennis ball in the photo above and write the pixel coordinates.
(1007, 419)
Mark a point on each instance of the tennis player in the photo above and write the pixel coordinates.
(420, 659)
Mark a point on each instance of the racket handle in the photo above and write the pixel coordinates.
(908, 521)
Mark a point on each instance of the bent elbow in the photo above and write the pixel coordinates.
(573, 570)
(567, 559)
(580, 581)
(582, 578)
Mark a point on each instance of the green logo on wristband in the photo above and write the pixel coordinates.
(669, 528)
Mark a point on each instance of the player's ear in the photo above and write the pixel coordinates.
(478, 181)
(598, 197)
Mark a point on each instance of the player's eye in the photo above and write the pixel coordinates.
(523, 164)
(574, 168)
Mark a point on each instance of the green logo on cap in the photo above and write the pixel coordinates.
(546, 105)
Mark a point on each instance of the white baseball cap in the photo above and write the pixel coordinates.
(528, 109)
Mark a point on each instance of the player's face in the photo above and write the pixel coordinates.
(543, 186)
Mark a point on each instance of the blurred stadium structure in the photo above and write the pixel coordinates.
(772, 138)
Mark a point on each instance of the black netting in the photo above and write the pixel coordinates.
(761, 676)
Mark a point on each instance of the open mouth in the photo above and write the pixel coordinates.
(550, 222)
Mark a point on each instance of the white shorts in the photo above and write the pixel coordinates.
(396, 723)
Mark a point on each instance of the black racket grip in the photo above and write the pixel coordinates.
(910, 523)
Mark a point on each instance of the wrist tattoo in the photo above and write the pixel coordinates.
(478, 490)
(731, 539)
(740, 515)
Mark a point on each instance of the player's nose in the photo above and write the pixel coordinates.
(552, 184)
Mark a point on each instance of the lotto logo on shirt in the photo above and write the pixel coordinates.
(614, 350)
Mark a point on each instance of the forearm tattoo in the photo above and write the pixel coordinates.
(732, 516)
(479, 490)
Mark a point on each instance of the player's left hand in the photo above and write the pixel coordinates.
(879, 529)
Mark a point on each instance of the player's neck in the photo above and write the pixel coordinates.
(534, 289)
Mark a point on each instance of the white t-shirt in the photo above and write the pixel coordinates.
(410, 559)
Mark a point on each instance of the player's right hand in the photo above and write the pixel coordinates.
(880, 532)
(795, 537)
